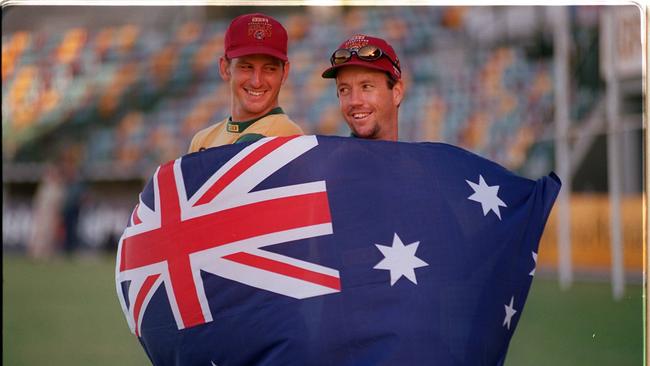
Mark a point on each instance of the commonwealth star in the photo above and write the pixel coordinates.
(400, 260)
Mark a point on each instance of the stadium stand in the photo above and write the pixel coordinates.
(140, 94)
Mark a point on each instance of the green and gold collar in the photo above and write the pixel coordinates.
(239, 127)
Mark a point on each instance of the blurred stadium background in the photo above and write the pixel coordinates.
(94, 98)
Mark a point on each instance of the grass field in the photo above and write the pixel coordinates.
(66, 313)
(582, 326)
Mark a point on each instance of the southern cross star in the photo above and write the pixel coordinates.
(486, 196)
(532, 273)
(510, 311)
(400, 260)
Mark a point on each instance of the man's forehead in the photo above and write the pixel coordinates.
(359, 74)
(258, 58)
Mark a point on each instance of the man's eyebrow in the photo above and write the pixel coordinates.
(362, 81)
(366, 81)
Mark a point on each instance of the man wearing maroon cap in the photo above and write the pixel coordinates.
(369, 86)
(255, 66)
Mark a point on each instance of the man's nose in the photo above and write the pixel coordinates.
(256, 78)
(355, 97)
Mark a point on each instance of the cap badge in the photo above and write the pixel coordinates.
(356, 42)
(259, 28)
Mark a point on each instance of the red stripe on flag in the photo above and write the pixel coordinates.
(170, 208)
(139, 299)
(261, 218)
(241, 167)
(184, 287)
(224, 227)
(286, 269)
(136, 218)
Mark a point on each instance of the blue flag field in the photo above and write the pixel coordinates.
(318, 250)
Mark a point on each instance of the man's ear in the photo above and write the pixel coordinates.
(398, 93)
(224, 68)
(285, 71)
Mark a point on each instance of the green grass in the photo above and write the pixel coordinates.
(581, 326)
(64, 313)
(67, 313)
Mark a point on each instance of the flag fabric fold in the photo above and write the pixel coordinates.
(318, 250)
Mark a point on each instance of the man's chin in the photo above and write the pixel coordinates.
(256, 109)
(366, 133)
(256, 105)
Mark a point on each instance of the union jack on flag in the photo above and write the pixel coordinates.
(323, 251)
(169, 243)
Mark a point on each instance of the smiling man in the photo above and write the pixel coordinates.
(255, 66)
(369, 86)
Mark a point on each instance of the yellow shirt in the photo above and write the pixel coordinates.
(226, 132)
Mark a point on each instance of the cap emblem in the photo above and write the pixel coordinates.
(356, 42)
(260, 28)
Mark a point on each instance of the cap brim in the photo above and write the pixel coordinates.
(330, 73)
(256, 50)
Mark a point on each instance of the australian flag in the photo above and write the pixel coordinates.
(333, 251)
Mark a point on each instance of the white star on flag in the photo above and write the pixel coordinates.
(486, 196)
(510, 311)
(400, 260)
(532, 273)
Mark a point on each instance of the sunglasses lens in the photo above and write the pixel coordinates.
(341, 56)
(370, 53)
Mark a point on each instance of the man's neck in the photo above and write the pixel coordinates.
(390, 135)
(246, 119)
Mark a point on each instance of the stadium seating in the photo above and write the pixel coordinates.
(142, 93)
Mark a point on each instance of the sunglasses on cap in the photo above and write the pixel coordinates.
(365, 53)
